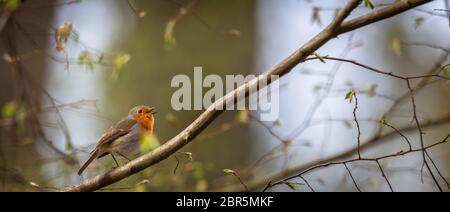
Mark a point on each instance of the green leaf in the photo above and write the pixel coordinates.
(169, 38)
(229, 171)
(290, 185)
(396, 46)
(319, 57)
(11, 5)
(143, 182)
(148, 143)
(9, 109)
(170, 118)
(371, 90)
(69, 145)
(201, 185)
(85, 58)
(189, 155)
(382, 122)
(277, 123)
(369, 4)
(243, 116)
(119, 62)
(198, 171)
(418, 21)
(446, 72)
(140, 188)
(186, 137)
(350, 94)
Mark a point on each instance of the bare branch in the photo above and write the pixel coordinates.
(374, 141)
(401, 134)
(376, 160)
(351, 176)
(384, 175)
(306, 182)
(357, 125)
(419, 127)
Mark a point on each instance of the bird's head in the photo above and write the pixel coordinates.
(144, 115)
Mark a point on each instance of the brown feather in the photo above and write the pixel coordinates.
(121, 128)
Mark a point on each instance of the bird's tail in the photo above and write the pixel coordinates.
(89, 161)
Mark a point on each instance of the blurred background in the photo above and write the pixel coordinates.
(71, 69)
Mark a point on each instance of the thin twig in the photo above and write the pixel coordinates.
(384, 176)
(306, 182)
(419, 127)
(351, 176)
(357, 125)
(401, 134)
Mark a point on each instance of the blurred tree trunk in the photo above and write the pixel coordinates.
(23, 39)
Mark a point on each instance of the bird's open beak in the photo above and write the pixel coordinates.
(152, 110)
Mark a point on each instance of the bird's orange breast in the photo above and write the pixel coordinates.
(146, 122)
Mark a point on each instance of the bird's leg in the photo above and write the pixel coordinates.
(123, 156)
(115, 160)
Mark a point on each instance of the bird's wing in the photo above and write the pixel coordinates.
(121, 128)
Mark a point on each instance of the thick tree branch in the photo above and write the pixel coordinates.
(336, 28)
(380, 14)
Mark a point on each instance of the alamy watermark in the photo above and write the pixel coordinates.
(265, 100)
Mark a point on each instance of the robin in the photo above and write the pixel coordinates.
(122, 138)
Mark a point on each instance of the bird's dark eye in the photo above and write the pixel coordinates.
(140, 111)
